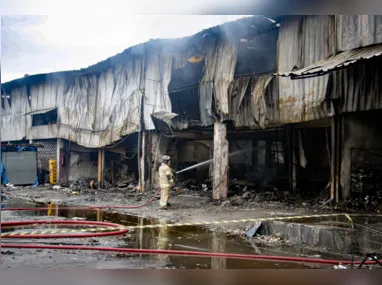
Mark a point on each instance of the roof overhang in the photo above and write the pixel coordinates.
(339, 61)
(166, 122)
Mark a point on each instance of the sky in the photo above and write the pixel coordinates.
(42, 44)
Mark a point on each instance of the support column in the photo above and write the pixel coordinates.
(58, 161)
(211, 165)
(338, 157)
(220, 162)
(101, 163)
(141, 162)
(335, 158)
(292, 158)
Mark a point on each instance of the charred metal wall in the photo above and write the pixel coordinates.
(355, 31)
(83, 166)
(191, 152)
(361, 130)
(302, 42)
(160, 146)
(93, 110)
(99, 104)
(359, 87)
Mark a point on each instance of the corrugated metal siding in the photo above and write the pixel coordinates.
(354, 31)
(338, 61)
(360, 87)
(257, 108)
(98, 105)
(260, 105)
(157, 79)
(206, 90)
(302, 42)
(93, 111)
(166, 122)
(14, 123)
(220, 62)
(236, 92)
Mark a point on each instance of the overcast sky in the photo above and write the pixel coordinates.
(41, 44)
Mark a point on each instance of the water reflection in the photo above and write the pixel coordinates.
(99, 215)
(218, 244)
(185, 238)
(163, 240)
(52, 209)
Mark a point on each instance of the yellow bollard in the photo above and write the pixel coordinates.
(53, 171)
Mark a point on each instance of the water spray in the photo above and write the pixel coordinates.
(210, 160)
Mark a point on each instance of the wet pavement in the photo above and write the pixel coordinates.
(190, 238)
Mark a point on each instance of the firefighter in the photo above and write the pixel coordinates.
(166, 181)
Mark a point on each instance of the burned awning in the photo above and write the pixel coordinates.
(39, 112)
(336, 62)
(166, 122)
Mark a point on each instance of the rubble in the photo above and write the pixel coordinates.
(252, 231)
(366, 189)
(269, 240)
(340, 266)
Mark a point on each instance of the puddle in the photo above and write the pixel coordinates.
(190, 238)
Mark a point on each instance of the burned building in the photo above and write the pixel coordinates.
(291, 101)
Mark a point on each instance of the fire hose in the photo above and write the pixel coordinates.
(117, 229)
(189, 253)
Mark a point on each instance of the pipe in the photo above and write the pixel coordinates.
(189, 253)
(88, 208)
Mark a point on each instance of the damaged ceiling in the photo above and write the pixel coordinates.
(227, 72)
(100, 104)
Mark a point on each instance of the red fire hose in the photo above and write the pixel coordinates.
(188, 253)
(122, 230)
(118, 229)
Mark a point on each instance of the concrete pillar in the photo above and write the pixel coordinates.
(141, 163)
(220, 162)
(292, 158)
(58, 164)
(101, 163)
(335, 159)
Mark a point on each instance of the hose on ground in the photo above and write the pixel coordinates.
(119, 230)
(113, 229)
(122, 230)
(189, 253)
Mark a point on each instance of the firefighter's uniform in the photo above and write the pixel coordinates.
(166, 182)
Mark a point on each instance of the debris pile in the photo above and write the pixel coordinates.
(368, 204)
(255, 196)
(203, 188)
(366, 180)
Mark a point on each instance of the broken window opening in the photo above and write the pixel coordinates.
(48, 118)
(184, 90)
(277, 153)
